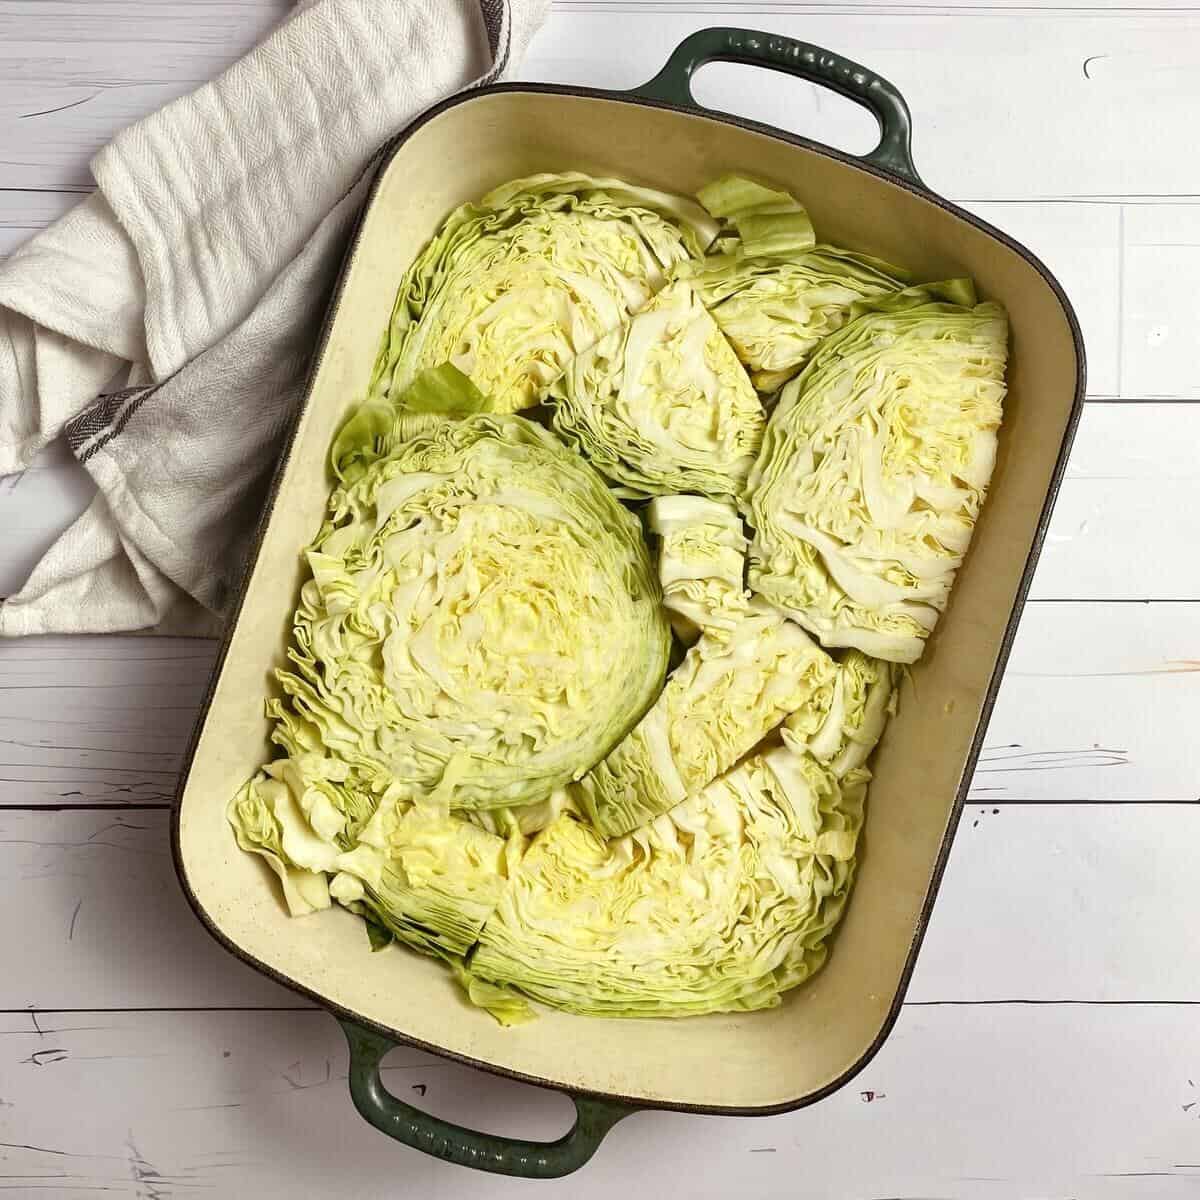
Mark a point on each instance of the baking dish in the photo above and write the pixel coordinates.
(826, 1031)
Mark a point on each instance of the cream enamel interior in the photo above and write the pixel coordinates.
(825, 1028)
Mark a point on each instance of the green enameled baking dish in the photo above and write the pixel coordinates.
(748, 1064)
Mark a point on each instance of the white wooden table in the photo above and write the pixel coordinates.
(1051, 1044)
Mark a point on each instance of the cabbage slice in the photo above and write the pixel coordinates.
(718, 704)
(874, 468)
(842, 734)
(719, 905)
(482, 618)
(510, 289)
(662, 404)
(701, 565)
(428, 877)
(776, 311)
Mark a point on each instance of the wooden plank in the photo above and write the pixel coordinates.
(1058, 1102)
(1096, 700)
(23, 213)
(93, 897)
(1088, 902)
(1097, 704)
(1160, 302)
(1079, 242)
(86, 721)
(83, 70)
(1124, 516)
(35, 507)
(1081, 245)
(1127, 513)
(980, 90)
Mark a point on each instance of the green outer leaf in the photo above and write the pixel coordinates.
(374, 429)
(769, 223)
(380, 937)
(444, 390)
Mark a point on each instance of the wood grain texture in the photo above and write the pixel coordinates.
(980, 88)
(1133, 465)
(1160, 313)
(1127, 510)
(24, 211)
(1065, 123)
(1094, 1103)
(1040, 903)
(1098, 704)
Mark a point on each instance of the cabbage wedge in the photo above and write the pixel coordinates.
(874, 467)
(482, 620)
(843, 732)
(718, 705)
(512, 288)
(264, 816)
(776, 311)
(662, 404)
(720, 905)
(701, 565)
(429, 878)
(774, 292)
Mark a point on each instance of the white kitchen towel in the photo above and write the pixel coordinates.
(191, 286)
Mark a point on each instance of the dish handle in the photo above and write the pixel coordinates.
(468, 1147)
(805, 61)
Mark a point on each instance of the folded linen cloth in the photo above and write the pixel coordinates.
(164, 325)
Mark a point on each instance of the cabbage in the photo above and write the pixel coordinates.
(375, 429)
(719, 905)
(873, 469)
(701, 565)
(512, 288)
(480, 753)
(662, 404)
(843, 730)
(718, 704)
(769, 223)
(482, 619)
(773, 291)
(261, 812)
(426, 876)
(775, 312)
